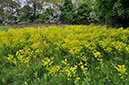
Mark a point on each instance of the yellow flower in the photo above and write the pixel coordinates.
(14, 61)
(55, 75)
(68, 78)
(119, 74)
(100, 60)
(97, 54)
(10, 57)
(125, 79)
(82, 67)
(77, 79)
(80, 63)
(65, 59)
(122, 77)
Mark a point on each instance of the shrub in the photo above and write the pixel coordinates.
(66, 14)
(114, 13)
(83, 12)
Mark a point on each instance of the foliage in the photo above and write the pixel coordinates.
(66, 14)
(9, 19)
(83, 12)
(76, 16)
(93, 18)
(5, 28)
(64, 55)
(114, 13)
(25, 14)
(76, 3)
(54, 16)
(7, 11)
(37, 6)
(45, 16)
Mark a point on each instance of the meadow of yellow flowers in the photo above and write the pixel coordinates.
(78, 55)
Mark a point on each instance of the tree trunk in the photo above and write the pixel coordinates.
(34, 5)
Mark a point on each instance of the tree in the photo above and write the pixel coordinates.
(76, 3)
(66, 14)
(114, 13)
(53, 14)
(83, 12)
(37, 6)
(25, 14)
(78, 15)
(1, 14)
(7, 11)
(18, 7)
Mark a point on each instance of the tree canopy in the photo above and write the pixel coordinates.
(113, 13)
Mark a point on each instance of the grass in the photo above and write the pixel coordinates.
(5, 28)
(64, 55)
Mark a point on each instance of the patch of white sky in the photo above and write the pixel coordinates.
(23, 2)
(50, 4)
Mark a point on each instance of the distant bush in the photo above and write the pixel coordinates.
(113, 13)
(83, 12)
(54, 17)
(66, 14)
(76, 16)
(9, 19)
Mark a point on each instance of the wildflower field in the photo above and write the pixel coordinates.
(64, 55)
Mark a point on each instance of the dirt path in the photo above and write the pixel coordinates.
(36, 24)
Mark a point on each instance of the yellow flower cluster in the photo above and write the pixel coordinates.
(77, 40)
(23, 58)
(63, 69)
(47, 62)
(98, 56)
(82, 43)
(122, 71)
(12, 59)
(83, 67)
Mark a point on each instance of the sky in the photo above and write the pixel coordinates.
(25, 0)
(44, 6)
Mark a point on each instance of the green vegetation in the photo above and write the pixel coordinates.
(64, 55)
(113, 13)
(5, 28)
(75, 16)
(68, 55)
